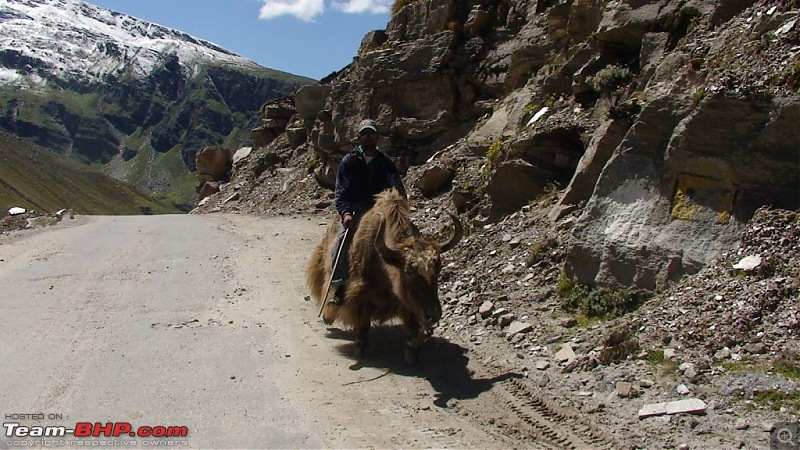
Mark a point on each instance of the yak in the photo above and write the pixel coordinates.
(393, 273)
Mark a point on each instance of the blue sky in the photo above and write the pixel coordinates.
(311, 38)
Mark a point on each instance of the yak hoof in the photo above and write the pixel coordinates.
(412, 356)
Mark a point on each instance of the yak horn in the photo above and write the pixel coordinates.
(458, 233)
(386, 252)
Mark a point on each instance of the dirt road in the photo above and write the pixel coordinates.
(202, 321)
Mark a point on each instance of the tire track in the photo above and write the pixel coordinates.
(563, 426)
(520, 411)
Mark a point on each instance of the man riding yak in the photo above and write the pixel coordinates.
(373, 257)
(363, 173)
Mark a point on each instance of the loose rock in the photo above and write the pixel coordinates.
(565, 354)
(688, 406)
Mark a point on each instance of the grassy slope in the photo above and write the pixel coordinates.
(33, 177)
(165, 170)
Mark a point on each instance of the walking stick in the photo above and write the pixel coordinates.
(333, 271)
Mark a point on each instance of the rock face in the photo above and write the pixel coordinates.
(668, 202)
(663, 124)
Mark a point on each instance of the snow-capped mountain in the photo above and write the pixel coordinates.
(82, 42)
(107, 88)
(74, 40)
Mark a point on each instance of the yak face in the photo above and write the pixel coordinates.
(419, 264)
(421, 268)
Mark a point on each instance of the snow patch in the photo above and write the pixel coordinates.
(76, 40)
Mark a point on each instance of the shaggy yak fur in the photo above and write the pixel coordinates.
(393, 273)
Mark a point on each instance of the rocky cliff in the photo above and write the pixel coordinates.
(662, 124)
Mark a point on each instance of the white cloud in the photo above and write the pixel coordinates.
(308, 10)
(363, 6)
(305, 10)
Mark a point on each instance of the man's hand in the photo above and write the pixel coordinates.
(347, 219)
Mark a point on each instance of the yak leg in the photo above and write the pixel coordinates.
(362, 332)
(414, 339)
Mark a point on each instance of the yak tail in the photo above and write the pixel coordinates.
(315, 272)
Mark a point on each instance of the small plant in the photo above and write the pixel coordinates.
(698, 96)
(610, 78)
(312, 164)
(775, 400)
(552, 189)
(793, 76)
(565, 286)
(789, 371)
(494, 150)
(694, 22)
(784, 369)
(739, 366)
(532, 108)
(600, 302)
(485, 171)
(656, 358)
(586, 322)
(469, 187)
(540, 248)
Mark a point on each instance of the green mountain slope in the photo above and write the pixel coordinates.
(33, 177)
(147, 132)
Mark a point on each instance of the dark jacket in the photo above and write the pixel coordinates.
(357, 183)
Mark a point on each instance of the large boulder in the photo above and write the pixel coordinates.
(514, 184)
(434, 178)
(207, 189)
(214, 163)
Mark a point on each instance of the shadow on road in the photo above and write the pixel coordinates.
(443, 363)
